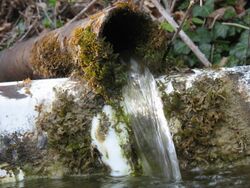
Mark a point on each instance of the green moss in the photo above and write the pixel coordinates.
(97, 63)
(49, 59)
(68, 127)
(151, 46)
(209, 113)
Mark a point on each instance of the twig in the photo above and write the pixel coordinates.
(172, 5)
(46, 14)
(28, 31)
(165, 3)
(182, 34)
(201, 3)
(214, 20)
(248, 45)
(141, 4)
(183, 20)
(80, 14)
(236, 25)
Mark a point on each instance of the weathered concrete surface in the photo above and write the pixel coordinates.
(23, 146)
(209, 113)
(47, 132)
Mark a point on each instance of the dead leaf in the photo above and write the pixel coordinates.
(5, 27)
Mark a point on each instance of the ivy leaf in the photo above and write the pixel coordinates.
(205, 10)
(197, 21)
(222, 47)
(220, 30)
(180, 47)
(166, 26)
(206, 49)
(184, 5)
(233, 61)
(201, 35)
(246, 18)
(52, 3)
(46, 23)
(216, 58)
(231, 31)
(241, 48)
(229, 13)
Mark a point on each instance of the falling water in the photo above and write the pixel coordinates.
(143, 103)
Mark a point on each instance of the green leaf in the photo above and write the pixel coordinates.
(233, 61)
(59, 23)
(201, 35)
(220, 30)
(46, 23)
(206, 49)
(244, 37)
(240, 50)
(231, 2)
(192, 60)
(197, 21)
(166, 26)
(229, 13)
(184, 5)
(231, 31)
(221, 47)
(21, 27)
(180, 47)
(52, 3)
(205, 10)
(246, 18)
(216, 58)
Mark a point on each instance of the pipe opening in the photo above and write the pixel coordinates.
(124, 29)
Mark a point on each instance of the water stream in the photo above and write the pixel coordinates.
(154, 142)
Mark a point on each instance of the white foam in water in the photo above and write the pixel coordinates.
(153, 138)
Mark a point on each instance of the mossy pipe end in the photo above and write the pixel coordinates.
(92, 48)
(125, 31)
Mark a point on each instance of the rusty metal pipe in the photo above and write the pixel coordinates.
(118, 25)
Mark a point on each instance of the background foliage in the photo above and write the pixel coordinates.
(220, 28)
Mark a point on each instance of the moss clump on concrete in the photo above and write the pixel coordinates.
(49, 59)
(214, 123)
(97, 63)
(68, 126)
(23, 151)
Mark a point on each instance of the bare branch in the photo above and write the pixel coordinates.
(184, 19)
(182, 34)
(165, 3)
(236, 25)
(173, 5)
(80, 14)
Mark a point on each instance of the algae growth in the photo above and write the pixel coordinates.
(49, 59)
(212, 122)
(68, 125)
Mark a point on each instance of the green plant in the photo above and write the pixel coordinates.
(218, 30)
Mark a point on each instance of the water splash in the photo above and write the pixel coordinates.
(143, 103)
